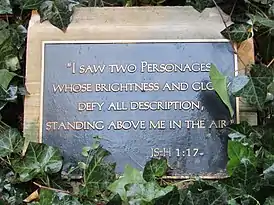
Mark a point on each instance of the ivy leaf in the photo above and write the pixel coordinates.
(6, 77)
(58, 12)
(11, 193)
(145, 193)
(268, 159)
(131, 176)
(97, 174)
(219, 82)
(264, 35)
(262, 21)
(9, 95)
(56, 198)
(244, 181)
(3, 24)
(8, 55)
(238, 32)
(232, 202)
(11, 141)
(172, 198)
(30, 4)
(39, 160)
(208, 197)
(255, 91)
(267, 139)
(271, 11)
(263, 1)
(5, 7)
(269, 173)
(237, 152)
(246, 134)
(269, 201)
(201, 192)
(12, 63)
(154, 169)
(243, 128)
(200, 5)
(4, 35)
(116, 200)
(238, 83)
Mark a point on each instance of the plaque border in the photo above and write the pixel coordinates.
(173, 177)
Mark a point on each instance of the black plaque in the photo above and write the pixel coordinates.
(142, 98)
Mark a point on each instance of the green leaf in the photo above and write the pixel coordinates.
(12, 63)
(265, 42)
(271, 88)
(58, 12)
(219, 83)
(245, 180)
(82, 165)
(238, 83)
(154, 169)
(116, 200)
(131, 176)
(245, 134)
(3, 24)
(232, 202)
(268, 159)
(8, 55)
(269, 173)
(172, 198)
(208, 197)
(262, 21)
(201, 192)
(98, 174)
(39, 160)
(5, 7)
(31, 4)
(255, 91)
(269, 201)
(243, 128)
(11, 141)
(238, 152)
(271, 11)
(4, 31)
(249, 200)
(85, 151)
(48, 197)
(10, 192)
(145, 193)
(4, 34)
(238, 32)
(263, 1)
(267, 139)
(6, 77)
(200, 5)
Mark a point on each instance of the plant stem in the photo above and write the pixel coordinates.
(269, 64)
(52, 189)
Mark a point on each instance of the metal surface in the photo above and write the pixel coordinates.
(190, 151)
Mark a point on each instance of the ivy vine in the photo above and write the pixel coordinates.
(40, 176)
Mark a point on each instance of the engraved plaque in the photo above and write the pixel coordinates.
(144, 98)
